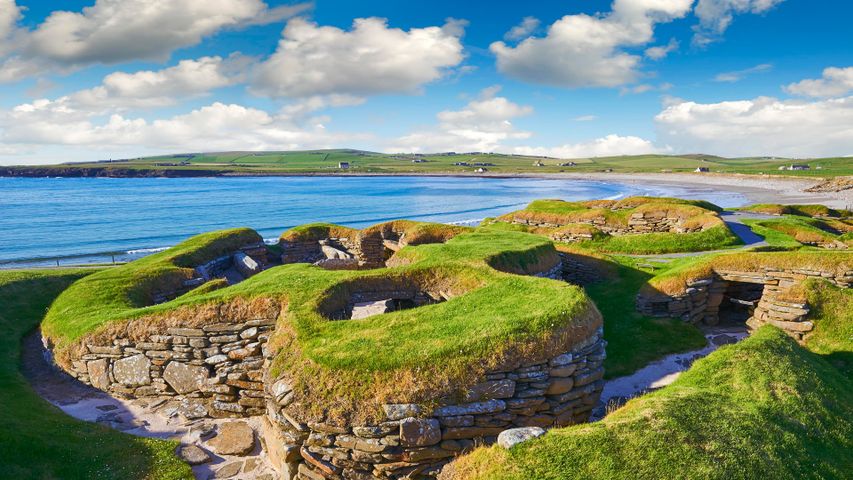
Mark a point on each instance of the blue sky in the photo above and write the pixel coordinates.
(124, 78)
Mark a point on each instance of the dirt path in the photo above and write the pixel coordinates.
(157, 418)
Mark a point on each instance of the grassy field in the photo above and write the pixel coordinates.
(327, 161)
(763, 408)
(37, 440)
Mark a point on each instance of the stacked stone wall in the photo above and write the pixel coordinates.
(639, 222)
(579, 271)
(701, 300)
(209, 371)
(414, 442)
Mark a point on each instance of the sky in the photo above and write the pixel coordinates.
(109, 79)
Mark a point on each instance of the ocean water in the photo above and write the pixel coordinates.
(50, 221)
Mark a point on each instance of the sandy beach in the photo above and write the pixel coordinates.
(767, 189)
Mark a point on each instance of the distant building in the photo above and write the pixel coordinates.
(419, 160)
(702, 170)
(461, 164)
(795, 166)
(481, 170)
(568, 164)
(343, 165)
(538, 163)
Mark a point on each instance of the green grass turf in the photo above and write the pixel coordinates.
(833, 319)
(634, 340)
(763, 408)
(37, 440)
(714, 238)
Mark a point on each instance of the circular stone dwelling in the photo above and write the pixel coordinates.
(375, 353)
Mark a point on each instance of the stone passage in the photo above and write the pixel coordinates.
(756, 298)
(416, 442)
(214, 370)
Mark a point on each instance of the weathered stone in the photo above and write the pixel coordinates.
(509, 438)
(135, 370)
(419, 432)
(233, 438)
(469, 432)
(186, 332)
(228, 470)
(475, 408)
(376, 431)
(490, 390)
(563, 371)
(193, 455)
(99, 375)
(428, 453)
(369, 445)
(369, 309)
(399, 411)
(216, 359)
(560, 385)
(185, 378)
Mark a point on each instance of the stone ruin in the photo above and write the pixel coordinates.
(755, 298)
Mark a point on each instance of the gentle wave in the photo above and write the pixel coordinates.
(145, 251)
(467, 223)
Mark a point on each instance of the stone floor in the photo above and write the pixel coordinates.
(158, 418)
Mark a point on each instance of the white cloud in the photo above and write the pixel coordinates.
(371, 58)
(115, 31)
(585, 118)
(481, 126)
(758, 127)
(835, 82)
(43, 124)
(738, 75)
(147, 88)
(523, 30)
(608, 146)
(660, 52)
(715, 16)
(644, 88)
(588, 51)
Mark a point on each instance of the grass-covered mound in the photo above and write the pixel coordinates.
(581, 223)
(799, 210)
(793, 231)
(413, 233)
(674, 281)
(763, 408)
(491, 318)
(833, 319)
(37, 440)
(112, 294)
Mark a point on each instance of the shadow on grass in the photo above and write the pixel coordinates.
(634, 340)
(38, 440)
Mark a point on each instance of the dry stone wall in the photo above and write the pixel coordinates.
(415, 442)
(639, 222)
(701, 300)
(214, 370)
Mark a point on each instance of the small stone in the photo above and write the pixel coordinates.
(233, 438)
(99, 375)
(509, 438)
(228, 470)
(193, 455)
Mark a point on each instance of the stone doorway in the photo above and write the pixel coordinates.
(738, 303)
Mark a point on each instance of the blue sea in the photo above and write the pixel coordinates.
(64, 221)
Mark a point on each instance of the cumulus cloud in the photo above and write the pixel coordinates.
(481, 126)
(835, 82)
(371, 58)
(589, 51)
(762, 126)
(43, 124)
(523, 30)
(715, 16)
(147, 88)
(115, 31)
(661, 51)
(608, 146)
(738, 75)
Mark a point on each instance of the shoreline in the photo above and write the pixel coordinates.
(757, 188)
